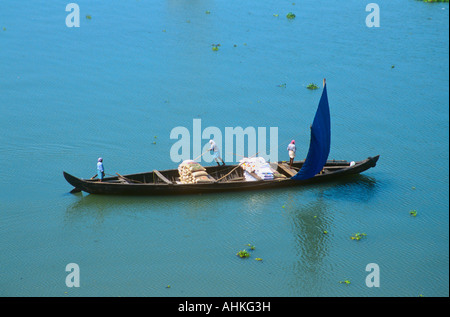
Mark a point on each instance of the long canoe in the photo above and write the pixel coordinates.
(166, 182)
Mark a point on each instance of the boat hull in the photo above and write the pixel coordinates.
(110, 186)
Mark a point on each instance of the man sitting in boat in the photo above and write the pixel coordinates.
(291, 149)
(215, 152)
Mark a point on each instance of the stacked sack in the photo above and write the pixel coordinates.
(192, 172)
(257, 165)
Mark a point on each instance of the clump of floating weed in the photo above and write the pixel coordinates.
(290, 15)
(312, 86)
(358, 236)
(413, 213)
(215, 47)
(89, 17)
(347, 282)
(243, 254)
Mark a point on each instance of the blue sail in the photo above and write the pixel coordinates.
(319, 146)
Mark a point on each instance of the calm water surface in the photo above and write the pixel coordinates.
(136, 70)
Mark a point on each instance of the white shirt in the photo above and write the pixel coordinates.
(214, 146)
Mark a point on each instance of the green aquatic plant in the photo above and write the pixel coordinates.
(290, 15)
(243, 254)
(215, 47)
(325, 232)
(358, 236)
(282, 85)
(89, 17)
(252, 247)
(347, 282)
(207, 12)
(413, 212)
(312, 86)
(258, 259)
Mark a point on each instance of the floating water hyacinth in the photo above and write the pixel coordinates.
(258, 259)
(282, 85)
(252, 247)
(413, 213)
(243, 254)
(358, 236)
(345, 282)
(290, 15)
(312, 86)
(215, 47)
(88, 17)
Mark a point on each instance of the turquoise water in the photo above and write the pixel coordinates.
(138, 69)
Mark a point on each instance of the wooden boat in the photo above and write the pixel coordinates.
(167, 182)
(315, 168)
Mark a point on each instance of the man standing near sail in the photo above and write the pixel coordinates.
(215, 152)
(100, 169)
(291, 149)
